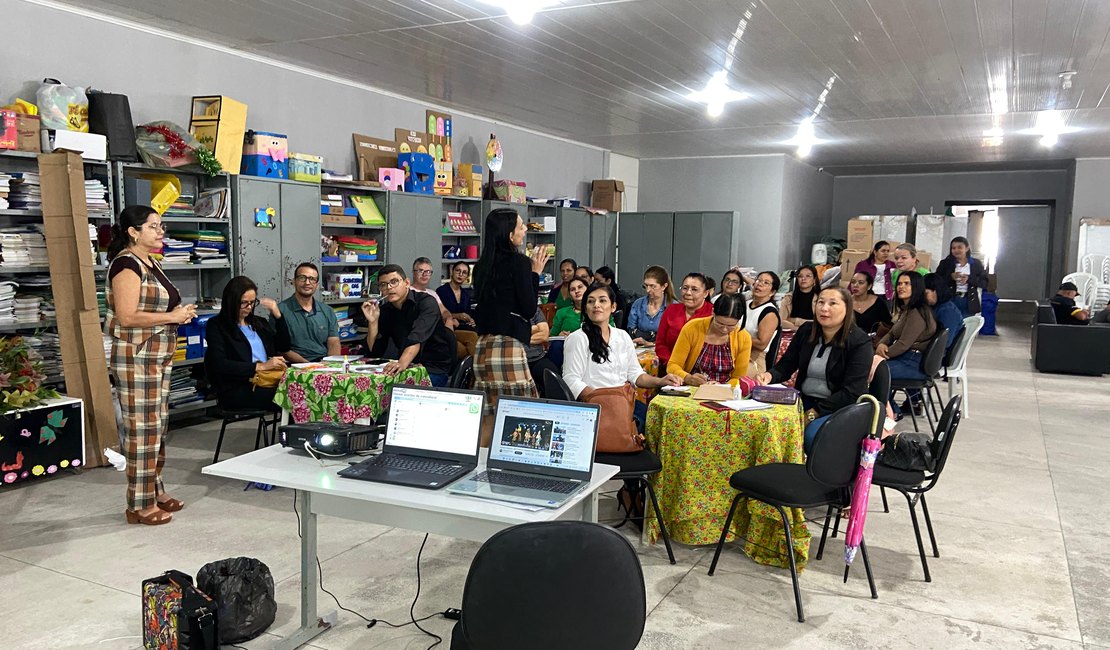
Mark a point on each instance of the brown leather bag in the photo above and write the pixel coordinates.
(616, 430)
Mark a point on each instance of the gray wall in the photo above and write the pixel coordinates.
(807, 196)
(161, 74)
(899, 193)
(1091, 198)
(749, 185)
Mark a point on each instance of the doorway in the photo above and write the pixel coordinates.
(1015, 244)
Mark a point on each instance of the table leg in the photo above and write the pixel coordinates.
(589, 507)
(311, 624)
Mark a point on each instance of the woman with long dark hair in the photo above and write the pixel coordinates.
(569, 318)
(731, 283)
(914, 326)
(797, 306)
(506, 283)
(879, 266)
(144, 310)
(871, 310)
(964, 275)
(605, 275)
(559, 295)
(944, 308)
(762, 321)
(241, 344)
(715, 349)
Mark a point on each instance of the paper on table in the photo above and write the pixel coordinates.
(715, 392)
(745, 405)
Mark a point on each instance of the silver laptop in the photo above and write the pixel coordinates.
(431, 438)
(542, 453)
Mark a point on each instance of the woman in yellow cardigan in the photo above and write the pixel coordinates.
(714, 349)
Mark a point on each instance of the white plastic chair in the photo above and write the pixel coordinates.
(1087, 285)
(956, 370)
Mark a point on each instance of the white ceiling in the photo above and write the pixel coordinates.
(913, 78)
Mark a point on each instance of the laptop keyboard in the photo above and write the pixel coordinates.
(519, 481)
(413, 464)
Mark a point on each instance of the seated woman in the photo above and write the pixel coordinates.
(605, 275)
(871, 310)
(559, 294)
(535, 350)
(714, 349)
(569, 319)
(731, 282)
(944, 308)
(457, 298)
(585, 274)
(241, 344)
(914, 326)
(797, 306)
(831, 356)
(647, 311)
(905, 260)
(762, 321)
(693, 305)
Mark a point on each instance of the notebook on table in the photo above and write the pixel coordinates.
(542, 453)
(431, 438)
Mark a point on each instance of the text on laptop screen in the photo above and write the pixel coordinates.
(544, 433)
(435, 420)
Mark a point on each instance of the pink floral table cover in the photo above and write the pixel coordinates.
(700, 449)
(319, 396)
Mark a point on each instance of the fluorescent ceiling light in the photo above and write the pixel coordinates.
(993, 136)
(805, 139)
(716, 94)
(521, 12)
(1050, 126)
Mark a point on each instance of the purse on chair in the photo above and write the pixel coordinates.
(616, 431)
(267, 378)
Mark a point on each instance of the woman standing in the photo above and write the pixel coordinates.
(569, 318)
(714, 350)
(693, 305)
(914, 326)
(647, 310)
(964, 275)
(797, 306)
(762, 321)
(240, 345)
(879, 266)
(832, 358)
(560, 294)
(144, 310)
(871, 311)
(505, 285)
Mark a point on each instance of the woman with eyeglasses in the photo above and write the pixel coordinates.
(241, 344)
(762, 321)
(144, 310)
(647, 311)
(731, 283)
(455, 297)
(693, 304)
(797, 306)
(714, 350)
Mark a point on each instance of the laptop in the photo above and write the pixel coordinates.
(431, 438)
(542, 453)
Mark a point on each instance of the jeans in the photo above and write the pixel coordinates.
(439, 380)
(811, 432)
(905, 366)
(961, 304)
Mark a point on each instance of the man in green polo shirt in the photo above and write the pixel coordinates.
(306, 326)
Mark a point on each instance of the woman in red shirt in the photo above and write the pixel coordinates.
(692, 304)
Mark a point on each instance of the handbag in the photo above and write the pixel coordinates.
(267, 378)
(908, 450)
(177, 615)
(616, 431)
(110, 116)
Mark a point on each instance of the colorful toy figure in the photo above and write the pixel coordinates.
(265, 154)
(391, 178)
(419, 172)
(444, 177)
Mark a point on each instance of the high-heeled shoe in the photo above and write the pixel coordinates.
(156, 518)
(171, 505)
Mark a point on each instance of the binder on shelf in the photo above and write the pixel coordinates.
(368, 212)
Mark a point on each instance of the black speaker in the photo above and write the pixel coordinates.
(110, 116)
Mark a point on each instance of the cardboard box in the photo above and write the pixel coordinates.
(511, 191)
(443, 183)
(29, 133)
(372, 154)
(338, 218)
(848, 260)
(419, 171)
(345, 285)
(220, 123)
(68, 256)
(9, 135)
(607, 194)
(305, 167)
(863, 233)
(265, 154)
(91, 146)
(925, 259)
(410, 141)
(471, 175)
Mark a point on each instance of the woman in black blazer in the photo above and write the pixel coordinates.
(239, 345)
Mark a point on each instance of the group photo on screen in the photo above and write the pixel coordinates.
(529, 433)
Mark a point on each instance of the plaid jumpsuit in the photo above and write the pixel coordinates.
(142, 358)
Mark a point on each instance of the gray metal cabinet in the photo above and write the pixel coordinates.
(643, 239)
(705, 242)
(415, 230)
(269, 255)
(574, 235)
(603, 240)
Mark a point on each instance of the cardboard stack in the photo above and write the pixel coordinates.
(607, 194)
(65, 215)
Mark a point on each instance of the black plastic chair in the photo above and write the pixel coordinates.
(551, 586)
(463, 376)
(772, 352)
(636, 467)
(268, 421)
(824, 480)
(930, 365)
(914, 484)
(879, 388)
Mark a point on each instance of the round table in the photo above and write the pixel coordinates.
(700, 449)
(314, 395)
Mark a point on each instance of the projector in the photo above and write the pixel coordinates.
(330, 437)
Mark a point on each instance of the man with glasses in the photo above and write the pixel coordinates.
(409, 320)
(306, 327)
(421, 277)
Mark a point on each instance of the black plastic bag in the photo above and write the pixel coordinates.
(244, 589)
(908, 450)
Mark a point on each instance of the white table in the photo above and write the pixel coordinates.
(320, 491)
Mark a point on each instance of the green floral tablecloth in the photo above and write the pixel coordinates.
(316, 396)
(700, 449)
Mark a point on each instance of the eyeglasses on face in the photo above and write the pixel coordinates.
(421, 271)
(245, 304)
(157, 227)
(730, 282)
(686, 288)
(307, 279)
(385, 286)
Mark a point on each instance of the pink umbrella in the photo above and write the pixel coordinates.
(861, 490)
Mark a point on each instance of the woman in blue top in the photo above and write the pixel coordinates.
(647, 310)
(455, 297)
(946, 312)
(241, 344)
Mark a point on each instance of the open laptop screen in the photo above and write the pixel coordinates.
(435, 422)
(558, 437)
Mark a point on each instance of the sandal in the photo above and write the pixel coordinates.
(171, 505)
(153, 519)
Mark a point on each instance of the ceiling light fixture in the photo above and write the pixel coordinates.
(806, 137)
(716, 94)
(1050, 126)
(521, 12)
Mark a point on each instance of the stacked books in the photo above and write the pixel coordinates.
(182, 207)
(96, 198)
(176, 251)
(209, 246)
(26, 192)
(26, 309)
(22, 246)
(48, 348)
(7, 302)
(183, 388)
(182, 346)
(5, 187)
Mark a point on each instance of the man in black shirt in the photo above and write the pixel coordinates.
(411, 321)
(1063, 304)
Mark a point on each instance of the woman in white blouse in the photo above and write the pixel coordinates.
(601, 356)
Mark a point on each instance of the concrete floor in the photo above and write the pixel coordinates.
(1017, 516)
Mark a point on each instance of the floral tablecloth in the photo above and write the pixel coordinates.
(650, 363)
(700, 449)
(321, 396)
